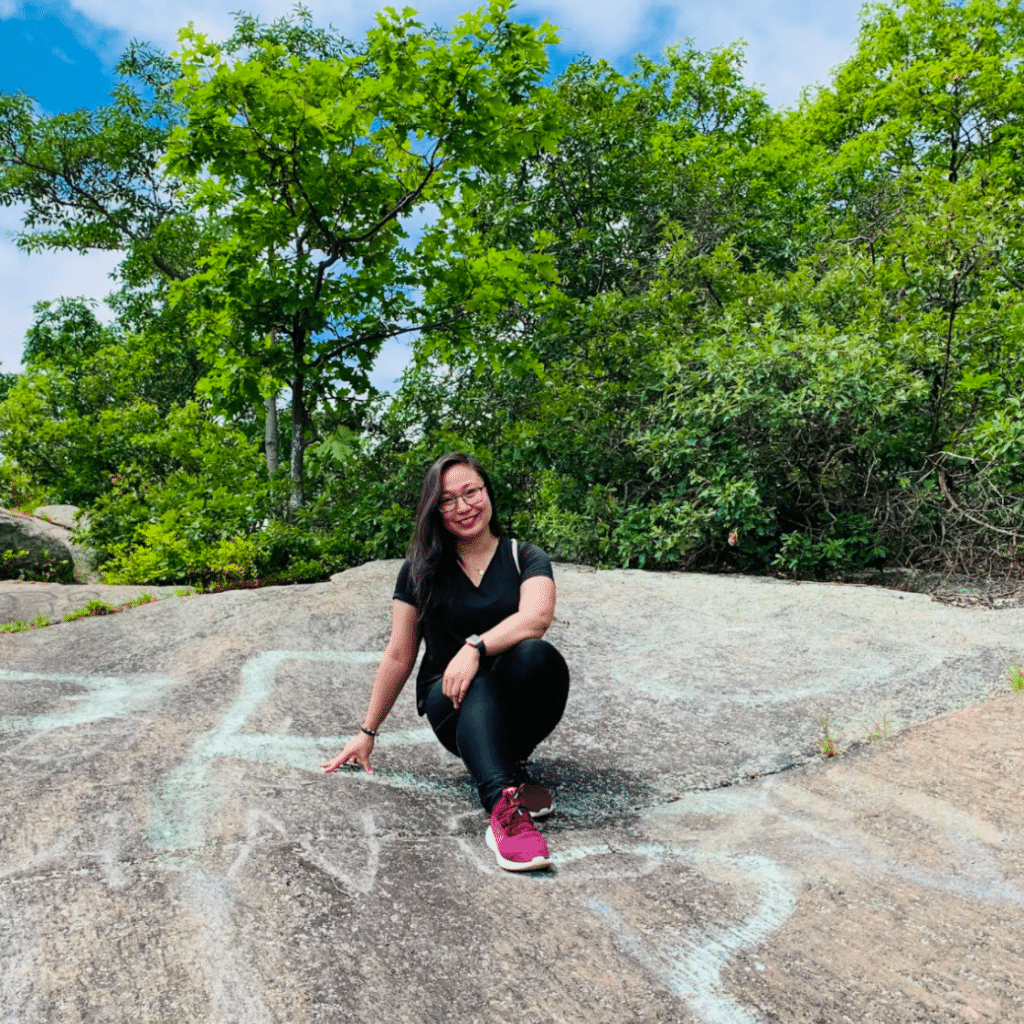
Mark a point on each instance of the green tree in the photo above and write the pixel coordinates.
(934, 85)
(88, 394)
(680, 144)
(93, 179)
(809, 356)
(681, 149)
(311, 161)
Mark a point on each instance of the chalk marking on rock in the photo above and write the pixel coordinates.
(579, 852)
(406, 780)
(54, 856)
(109, 856)
(705, 954)
(60, 677)
(183, 802)
(303, 751)
(235, 988)
(258, 677)
(987, 889)
(359, 881)
(658, 851)
(105, 697)
(725, 800)
(472, 851)
(253, 818)
(980, 875)
(742, 695)
(354, 881)
(691, 967)
(467, 821)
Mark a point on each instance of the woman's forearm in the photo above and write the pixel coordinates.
(536, 612)
(387, 685)
(511, 631)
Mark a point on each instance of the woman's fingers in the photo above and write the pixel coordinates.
(455, 687)
(348, 761)
(361, 759)
(352, 755)
(452, 688)
(459, 674)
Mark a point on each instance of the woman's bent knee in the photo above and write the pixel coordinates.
(534, 654)
(534, 663)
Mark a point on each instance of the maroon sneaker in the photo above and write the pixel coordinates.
(534, 797)
(513, 837)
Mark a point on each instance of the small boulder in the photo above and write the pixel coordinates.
(41, 549)
(59, 515)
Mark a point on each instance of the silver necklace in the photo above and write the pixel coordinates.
(480, 572)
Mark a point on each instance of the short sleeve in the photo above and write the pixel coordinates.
(403, 586)
(533, 562)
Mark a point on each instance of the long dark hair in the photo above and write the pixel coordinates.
(433, 555)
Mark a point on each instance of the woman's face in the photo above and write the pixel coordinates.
(470, 515)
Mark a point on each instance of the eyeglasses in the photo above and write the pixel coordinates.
(471, 496)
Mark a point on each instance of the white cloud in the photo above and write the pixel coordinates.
(394, 357)
(602, 28)
(789, 43)
(802, 58)
(159, 22)
(9, 9)
(25, 280)
(114, 23)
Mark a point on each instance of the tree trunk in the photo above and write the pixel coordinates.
(270, 434)
(297, 497)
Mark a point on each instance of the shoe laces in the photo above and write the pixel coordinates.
(510, 814)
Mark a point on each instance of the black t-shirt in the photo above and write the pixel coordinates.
(471, 609)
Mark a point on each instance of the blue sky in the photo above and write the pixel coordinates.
(63, 53)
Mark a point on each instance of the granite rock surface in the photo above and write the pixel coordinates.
(172, 852)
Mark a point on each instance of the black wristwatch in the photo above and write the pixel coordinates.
(475, 641)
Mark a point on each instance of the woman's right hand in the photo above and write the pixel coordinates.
(356, 751)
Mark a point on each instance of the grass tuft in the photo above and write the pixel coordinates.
(880, 729)
(827, 741)
(93, 607)
(1016, 671)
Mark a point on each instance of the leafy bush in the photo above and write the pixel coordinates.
(45, 570)
(188, 508)
(18, 490)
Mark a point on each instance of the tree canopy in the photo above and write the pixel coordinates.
(684, 329)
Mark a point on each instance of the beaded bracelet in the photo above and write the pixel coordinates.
(369, 732)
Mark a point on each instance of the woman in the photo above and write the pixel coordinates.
(490, 687)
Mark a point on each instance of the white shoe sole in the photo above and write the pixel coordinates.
(537, 864)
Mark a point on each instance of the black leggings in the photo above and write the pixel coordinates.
(507, 711)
